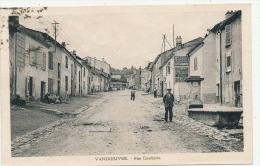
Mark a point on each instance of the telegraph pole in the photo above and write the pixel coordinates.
(55, 32)
(164, 42)
(173, 37)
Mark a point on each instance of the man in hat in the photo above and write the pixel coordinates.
(133, 94)
(168, 100)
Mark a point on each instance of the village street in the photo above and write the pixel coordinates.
(116, 125)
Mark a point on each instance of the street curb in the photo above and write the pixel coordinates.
(57, 112)
(78, 111)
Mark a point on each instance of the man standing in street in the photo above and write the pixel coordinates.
(133, 94)
(155, 92)
(168, 100)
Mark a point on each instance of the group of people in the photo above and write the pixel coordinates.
(168, 100)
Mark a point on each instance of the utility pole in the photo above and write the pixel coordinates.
(55, 32)
(164, 42)
(173, 37)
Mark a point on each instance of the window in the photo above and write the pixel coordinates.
(50, 61)
(50, 85)
(228, 34)
(59, 70)
(195, 63)
(83, 85)
(228, 61)
(169, 68)
(43, 61)
(67, 62)
(66, 83)
(84, 71)
(30, 86)
(75, 70)
(88, 80)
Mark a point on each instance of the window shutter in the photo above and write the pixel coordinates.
(26, 86)
(228, 34)
(39, 58)
(32, 55)
(43, 60)
(226, 93)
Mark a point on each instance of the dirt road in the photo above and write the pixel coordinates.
(116, 125)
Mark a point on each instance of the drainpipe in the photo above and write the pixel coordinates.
(15, 65)
(220, 69)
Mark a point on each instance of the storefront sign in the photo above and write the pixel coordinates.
(181, 74)
(181, 61)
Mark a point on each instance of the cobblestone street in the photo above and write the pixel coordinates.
(113, 124)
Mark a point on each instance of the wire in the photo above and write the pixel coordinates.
(168, 42)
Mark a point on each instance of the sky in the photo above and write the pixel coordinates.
(127, 35)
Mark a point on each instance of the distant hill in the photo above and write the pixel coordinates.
(124, 74)
(124, 71)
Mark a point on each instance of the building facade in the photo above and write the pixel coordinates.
(41, 65)
(230, 59)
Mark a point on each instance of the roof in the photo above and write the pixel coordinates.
(44, 36)
(188, 45)
(195, 48)
(221, 25)
(30, 33)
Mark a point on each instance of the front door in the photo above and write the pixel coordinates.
(58, 87)
(42, 90)
(237, 93)
(30, 86)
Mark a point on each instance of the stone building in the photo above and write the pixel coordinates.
(170, 69)
(229, 59)
(28, 62)
(146, 77)
(202, 62)
(101, 74)
(39, 64)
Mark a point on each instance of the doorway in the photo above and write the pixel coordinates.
(58, 88)
(237, 93)
(30, 86)
(42, 90)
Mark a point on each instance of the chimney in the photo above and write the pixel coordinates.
(178, 41)
(229, 14)
(103, 60)
(63, 44)
(14, 20)
(74, 52)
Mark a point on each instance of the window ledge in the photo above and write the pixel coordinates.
(228, 45)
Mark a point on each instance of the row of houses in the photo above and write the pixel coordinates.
(39, 65)
(209, 68)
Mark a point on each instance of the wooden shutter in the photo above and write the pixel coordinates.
(39, 58)
(44, 61)
(32, 56)
(228, 34)
(26, 87)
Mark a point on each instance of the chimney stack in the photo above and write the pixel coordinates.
(229, 14)
(178, 41)
(63, 44)
(74, 53)
(14, 20)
